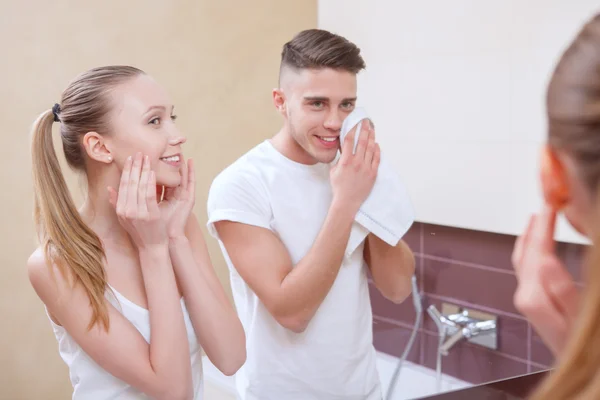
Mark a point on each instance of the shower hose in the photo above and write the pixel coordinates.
(416, 297)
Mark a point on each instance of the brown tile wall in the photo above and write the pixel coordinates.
(472, 269)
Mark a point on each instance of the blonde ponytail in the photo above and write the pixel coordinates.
(66, 240)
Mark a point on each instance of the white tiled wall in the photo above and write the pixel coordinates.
(456, 89)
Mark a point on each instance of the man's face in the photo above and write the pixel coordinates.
(314, 104)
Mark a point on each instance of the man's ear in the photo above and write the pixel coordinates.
(279, 101)
(554, 179)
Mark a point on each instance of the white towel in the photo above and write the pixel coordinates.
(387, 212)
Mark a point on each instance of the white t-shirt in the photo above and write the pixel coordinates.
(334, 357)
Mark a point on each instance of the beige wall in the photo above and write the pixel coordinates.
(219, 61)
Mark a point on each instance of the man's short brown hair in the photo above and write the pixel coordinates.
(318, 48)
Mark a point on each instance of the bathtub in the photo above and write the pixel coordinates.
(415, 381)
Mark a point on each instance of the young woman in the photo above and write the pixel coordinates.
(546, 294)
(126, 279)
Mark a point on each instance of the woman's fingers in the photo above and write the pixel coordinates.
(143, 188)
(551, 326)
(123, 185)
(191, 178)
(543, 232)
(561, 287)
(159, 192)
(151, 202)
(132, 190)
(520, 245)
(184, 177)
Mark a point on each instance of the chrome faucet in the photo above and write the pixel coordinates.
(475, 327)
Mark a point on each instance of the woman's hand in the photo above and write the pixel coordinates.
(178, 202)
(546, 293)
(136, 205)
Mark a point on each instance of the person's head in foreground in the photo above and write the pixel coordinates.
(571, 184)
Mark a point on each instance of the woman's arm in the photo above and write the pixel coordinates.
(215, 321)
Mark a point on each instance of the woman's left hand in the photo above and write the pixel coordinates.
(178, 202)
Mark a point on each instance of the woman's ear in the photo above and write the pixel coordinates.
(95, 148)
(555, 187)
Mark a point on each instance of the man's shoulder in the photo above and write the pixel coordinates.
(246, 166)
(247, 174)
(241, 188)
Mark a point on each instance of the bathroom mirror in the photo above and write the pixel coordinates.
(456, 91)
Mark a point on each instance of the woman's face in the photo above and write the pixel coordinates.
(142, 120)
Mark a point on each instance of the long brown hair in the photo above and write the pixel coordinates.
(66, 240)
(573, 105)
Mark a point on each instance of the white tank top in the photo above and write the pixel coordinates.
(91, 382)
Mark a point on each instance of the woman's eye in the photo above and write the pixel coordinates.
(173, 117)
(155, 121)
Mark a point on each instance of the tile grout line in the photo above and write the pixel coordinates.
(422, 284)
(391, 321)
(475, 306)
(529, 347)
(421, 240)
(542, 366)
(466, 264)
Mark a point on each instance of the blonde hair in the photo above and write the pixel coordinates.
(573, 104)
(66, 240)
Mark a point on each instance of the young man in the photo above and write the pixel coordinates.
(283, 213)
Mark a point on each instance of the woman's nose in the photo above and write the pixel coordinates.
(177, 140)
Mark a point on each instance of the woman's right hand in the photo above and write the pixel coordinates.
(136, 204)
(546, 293)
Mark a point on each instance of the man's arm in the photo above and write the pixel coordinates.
(392, 267)
(292, 295)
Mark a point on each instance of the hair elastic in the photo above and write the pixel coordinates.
(56, 111)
